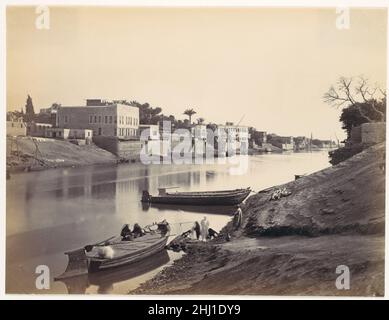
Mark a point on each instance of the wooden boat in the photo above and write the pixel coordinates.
(215, 209)
(205, 198)
(106, 279)
(94, 258)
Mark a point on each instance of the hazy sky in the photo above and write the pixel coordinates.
(270, 66)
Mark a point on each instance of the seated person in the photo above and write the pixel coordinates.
(212, 233)
(126, 233)
(137, 231)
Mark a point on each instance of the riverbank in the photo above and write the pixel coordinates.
(292, 246)
(23, 154)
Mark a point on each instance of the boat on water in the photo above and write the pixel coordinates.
(203, 198)
(115, 252)
(106, 280)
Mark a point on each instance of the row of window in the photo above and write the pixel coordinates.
(109, 120)
(128, 120)
(101, 119)
(126, 132)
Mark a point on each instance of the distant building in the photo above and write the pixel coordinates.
(36, 129)
(284, 143)
(48, 115)
(301, 143)
(105, 119)
(258, 138)
(64, 133)
(235, 136)
(152, 130)
(199, 131)
(16, 125)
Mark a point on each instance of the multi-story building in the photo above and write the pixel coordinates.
(104, 118)
(235, 137)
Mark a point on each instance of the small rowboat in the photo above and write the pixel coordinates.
(206, 198)
(93, 258)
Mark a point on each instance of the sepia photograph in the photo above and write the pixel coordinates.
(194, 150)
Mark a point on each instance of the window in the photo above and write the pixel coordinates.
(106, 119)
(131, 120)
(99, 119)
(115, 132)
(90, 119)
(116, 120)
(110, 119)
(95, 119)
(66, 119)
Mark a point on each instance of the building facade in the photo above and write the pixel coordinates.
(16, 127)
(36, 129)
(235, 137)
(112, 120)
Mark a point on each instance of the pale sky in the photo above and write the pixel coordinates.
(269, 66)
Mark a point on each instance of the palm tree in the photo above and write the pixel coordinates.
(189, 113)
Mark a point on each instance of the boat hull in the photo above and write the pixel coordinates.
(228, 198)
(95, 265)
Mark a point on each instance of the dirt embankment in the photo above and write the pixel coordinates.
(23, 153)
(293, 246)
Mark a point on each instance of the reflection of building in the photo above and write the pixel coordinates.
(104, 118)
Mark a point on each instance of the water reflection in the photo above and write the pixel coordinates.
(225, 210)
(53, 211)
(105, 280)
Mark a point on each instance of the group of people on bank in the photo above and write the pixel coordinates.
(204, 232)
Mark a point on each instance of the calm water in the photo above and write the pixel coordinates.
(53, 211)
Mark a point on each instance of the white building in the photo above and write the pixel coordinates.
(235, 138)
(104, 118)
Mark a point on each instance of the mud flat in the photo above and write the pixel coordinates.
(293, 246)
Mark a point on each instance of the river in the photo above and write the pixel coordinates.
(52, 211)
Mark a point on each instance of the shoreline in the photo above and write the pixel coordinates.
(294, 245)
(24, 159)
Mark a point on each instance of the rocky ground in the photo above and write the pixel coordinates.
(292, 246)
(22, 154)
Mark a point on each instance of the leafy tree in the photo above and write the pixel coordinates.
(200, 120)
(30, 113)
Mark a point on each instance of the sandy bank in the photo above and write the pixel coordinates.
(293, 246)
(22, 154)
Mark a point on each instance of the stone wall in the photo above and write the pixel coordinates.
(16, 128)
(129, 150)
(372, 133)
(369, 133)
(356, 135)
